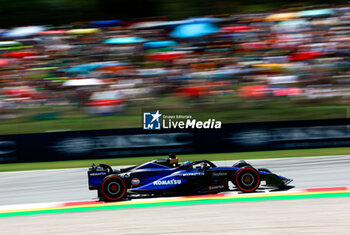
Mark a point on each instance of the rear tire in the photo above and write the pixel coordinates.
(247, 179)
(113, 188)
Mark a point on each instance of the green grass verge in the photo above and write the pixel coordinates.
(228, 109)
(185, 157)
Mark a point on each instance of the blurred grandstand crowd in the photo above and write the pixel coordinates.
(106, 65)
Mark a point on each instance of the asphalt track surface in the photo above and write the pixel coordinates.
(71, 184)
(310, 216)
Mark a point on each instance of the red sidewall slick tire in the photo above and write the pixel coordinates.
(247, 179)
(113, 188)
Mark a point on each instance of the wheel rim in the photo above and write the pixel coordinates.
(113, 188)
(247, 179)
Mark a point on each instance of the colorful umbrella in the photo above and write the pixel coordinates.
(24, 31)
(52, 32)
(287, 91)
(173, 23)
(256, 91)
(147, 24)
(83, 31)
(316, 12)
(276, 67)
(236, 29)
(115, 67)
(105, 102)
(281, 16)
(10, 44)
(291, 26)
(124, 40)
(159, 44)
(300, 56)
(166, 56)
(83, 82)
(194, 20)
(4, 62)
(23, 91)
(151, 72)
(20, 54)
(292, 23)
(193, 91)
(104, 23)
(87, 68)
(194, 30)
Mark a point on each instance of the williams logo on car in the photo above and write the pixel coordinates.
(135, 181)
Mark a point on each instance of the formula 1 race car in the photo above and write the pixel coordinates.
(189, 178)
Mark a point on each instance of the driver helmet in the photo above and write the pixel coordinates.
(173, 159)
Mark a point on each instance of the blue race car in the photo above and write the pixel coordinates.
(154, 178)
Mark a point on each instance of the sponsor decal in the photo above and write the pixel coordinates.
(192, 174)
(82, 146)
(135, 181)
(76, 145)
(167, 182)
(219, 174)
(216, 187)
(142, 140)
(258, 137)
(99, 173)
(261, 137)
(310, 133)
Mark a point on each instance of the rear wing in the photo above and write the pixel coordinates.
(96, 174)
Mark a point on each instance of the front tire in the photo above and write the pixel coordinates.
(113, 188)
(247, 179)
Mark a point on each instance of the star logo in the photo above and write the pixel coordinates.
(156, 116)
(152, 120)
